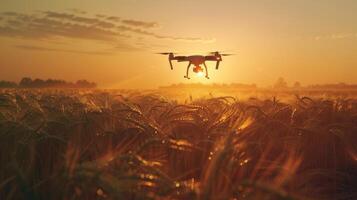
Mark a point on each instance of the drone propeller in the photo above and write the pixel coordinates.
(222, 54)
(227, 54)
(168, 53)
(164, 53)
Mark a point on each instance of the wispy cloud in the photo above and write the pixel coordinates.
(113, 18)
(336, 36)
(78, 19)
(159, 36)
(140, 23)
(77, 24)
(38, 48)
(52, 24)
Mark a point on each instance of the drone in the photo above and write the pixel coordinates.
(196, 60)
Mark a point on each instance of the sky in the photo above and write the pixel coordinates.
(113, 42)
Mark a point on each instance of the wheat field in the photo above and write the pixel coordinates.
(86, 144)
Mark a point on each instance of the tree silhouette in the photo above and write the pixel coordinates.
(85, 84)
(297, 84)
(26, 82)
(280, 83)
(53, 83)
(7, 84)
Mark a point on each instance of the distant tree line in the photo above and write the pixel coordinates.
(336, 86)
(282, 84)
(49, 83)
(7, 84)
(214, 85)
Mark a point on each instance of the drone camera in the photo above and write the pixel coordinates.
(197, 69)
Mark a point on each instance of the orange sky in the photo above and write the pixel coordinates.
(113, 42)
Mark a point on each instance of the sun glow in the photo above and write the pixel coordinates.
(199, 74)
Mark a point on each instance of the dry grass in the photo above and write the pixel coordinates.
(59, 144)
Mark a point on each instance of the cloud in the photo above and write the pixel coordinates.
(37, 48)
(10, 13)
(113, 18)
(158, 36)
(192, 39)
(336, 36)
(111, 30)
(79, 19)
(100, 16)
(99, 27)
(42, 28)
(140, 23)
(54, 24)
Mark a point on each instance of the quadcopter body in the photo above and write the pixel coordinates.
(196, 61)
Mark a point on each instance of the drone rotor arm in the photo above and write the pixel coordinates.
(181, 58)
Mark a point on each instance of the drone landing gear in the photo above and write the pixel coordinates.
(188, 68)
(204, 64)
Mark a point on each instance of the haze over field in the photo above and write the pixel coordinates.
(112, 42)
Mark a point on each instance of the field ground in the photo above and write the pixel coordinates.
(84, 144)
